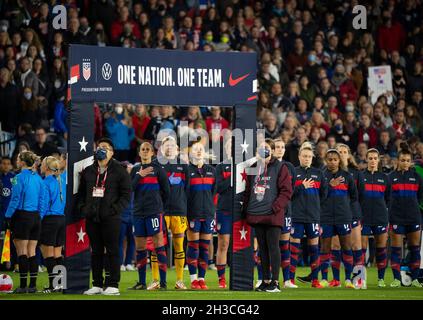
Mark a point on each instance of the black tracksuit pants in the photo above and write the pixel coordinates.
(104, 241)
(268, 243)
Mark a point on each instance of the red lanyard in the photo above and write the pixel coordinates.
(103, 183)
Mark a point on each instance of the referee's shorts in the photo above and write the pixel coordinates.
(25, 225)
(53, 229)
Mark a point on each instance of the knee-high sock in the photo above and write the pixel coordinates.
(257, 261)
(203, 258)
(363, 252)
(396, 262)
(221, 268)
(358, 257)
(192, 257)
(347, 258)
(178, 245)
(313, 250)
(33, 271)
(23, 270)
(154, 266)
(336, 263)
(142, 266)
(50, 262)
(414, 261)
(162, 259)
(381, 260)
(295, 252)
(324, 261)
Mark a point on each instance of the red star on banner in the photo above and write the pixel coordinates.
(244, 175)
(241, 235)
(76, 238)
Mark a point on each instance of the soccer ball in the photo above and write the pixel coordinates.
(6, 283)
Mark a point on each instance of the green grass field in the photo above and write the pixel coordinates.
(304, 292)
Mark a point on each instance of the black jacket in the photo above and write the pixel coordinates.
(337, 207)
(202, 188)
(374, 195)
(306, 203)
(406, 193)
(177, 174)
(116, 197)
(150, 192)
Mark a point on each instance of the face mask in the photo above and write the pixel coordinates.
(349, 108)
(100, 154)
(119, 110)
(312, 58)
(397, 77)
(126, 45)
(209, 38)
(263, 153)
(339, 74)
(338, 127)
(28, 95)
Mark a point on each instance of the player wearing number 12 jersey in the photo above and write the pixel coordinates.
(151, 191)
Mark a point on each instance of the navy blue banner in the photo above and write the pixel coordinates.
(163, 77)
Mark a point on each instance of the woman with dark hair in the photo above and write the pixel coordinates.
(267, 195)
(374, 198)
(404, 215)
(336, 219)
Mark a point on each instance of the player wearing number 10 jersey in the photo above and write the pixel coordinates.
(151, 191)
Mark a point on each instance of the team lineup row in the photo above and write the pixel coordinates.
(339, 205)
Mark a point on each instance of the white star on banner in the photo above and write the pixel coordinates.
(83, 145)
(244, 147)
(81, 235)
(243, 233)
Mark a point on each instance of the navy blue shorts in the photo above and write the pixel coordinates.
(355, 224)
(148, 226)
(288, 225)
(373, 230)
(311, 230)
(330, 230)
(223, 222)
(202, 225)
(404, 229)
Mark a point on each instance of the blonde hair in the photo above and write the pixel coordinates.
(351, 160)
(53, 165)
(29, 157)
(306, 146)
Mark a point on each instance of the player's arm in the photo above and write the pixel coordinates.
(164, 183)
(388, 192)
(222, 183)
(324, 188)
(135, 178)
(352, 189)
(214, 186)
(15, 198)
(45, 198)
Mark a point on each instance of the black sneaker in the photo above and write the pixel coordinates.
(262, 287)
(273, 287)
(306, 279)
(47, 290)
(20, 290)
(163, 286)
(138, 286)
(32, 290)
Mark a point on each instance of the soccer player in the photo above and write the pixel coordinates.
(405, 216)
(176, 205)
(374, 196)
(309, 193)
(6, 175)
(23, 215)
(284, 244)
(224, 212)
(151, 191)
(358, 256)
(201, 209)
(53, 226)
(336, 217)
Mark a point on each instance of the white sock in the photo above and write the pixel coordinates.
(193, 277)
(199, 279)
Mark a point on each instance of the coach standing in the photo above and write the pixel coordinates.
(104, 192)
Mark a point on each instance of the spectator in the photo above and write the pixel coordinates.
(32, 110)
(293, 148)
(391, 35)
(302, 114)
(366, 133)
(385, 145)
(60, 123)
(216, 121)
(42, 148)
(28, 79)
(8, 102)
(118, 25)
(272, 130)
(400, 128)
(140, 122)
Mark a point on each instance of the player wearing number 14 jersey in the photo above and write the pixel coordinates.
(151, 191)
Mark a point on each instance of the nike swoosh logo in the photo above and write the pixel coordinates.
(234, 82)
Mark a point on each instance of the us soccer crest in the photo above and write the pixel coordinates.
(86, 69)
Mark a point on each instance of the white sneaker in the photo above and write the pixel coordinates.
(258, 283)
(186, 268)
(93, 291)
(40, 269)
(122, 268)
(130, 267)
(289, 285)
(154, 285)
(111, 291)
(212, 267)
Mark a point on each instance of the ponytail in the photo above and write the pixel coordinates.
(53, 165)
(29, 158)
